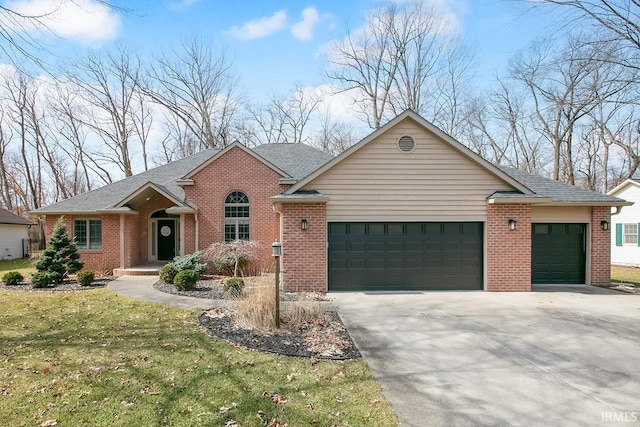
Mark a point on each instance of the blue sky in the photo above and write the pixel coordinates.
(275, 44)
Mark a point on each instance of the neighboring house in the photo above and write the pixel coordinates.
(406, 208)
(14, 234)
(625, 240)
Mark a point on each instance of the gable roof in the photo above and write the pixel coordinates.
(529, 188)
(626, 183)
(490, 167)
(7, 217)
(291, 160)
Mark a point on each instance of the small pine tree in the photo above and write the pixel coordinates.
(61, 255)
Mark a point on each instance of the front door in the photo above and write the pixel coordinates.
(166, 239)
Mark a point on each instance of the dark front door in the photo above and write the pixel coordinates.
(405, 256)
(166, 239)
(558, 253)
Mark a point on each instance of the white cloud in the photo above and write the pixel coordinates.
(303, 30)
(261, 27)
(86, 21)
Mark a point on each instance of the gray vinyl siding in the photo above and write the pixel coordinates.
(434, 182)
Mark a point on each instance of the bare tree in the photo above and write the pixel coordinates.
(618, 22)
(398, 61)
(334, 137)
(565, 86)
(284, 119)
(109, 85)
(197, 86)
(21, 33)
(499, 127)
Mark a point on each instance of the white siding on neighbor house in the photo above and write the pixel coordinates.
(569, 214)
(434, 182)
(627, 254)
(11, 236)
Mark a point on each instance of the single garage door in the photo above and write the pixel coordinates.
(405, 256)
(558, 253)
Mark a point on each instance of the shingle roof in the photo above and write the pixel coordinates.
(7, 217)
(297, 160)
(558, 192)
(106, 197)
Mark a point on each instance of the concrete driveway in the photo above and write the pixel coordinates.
(565, 356)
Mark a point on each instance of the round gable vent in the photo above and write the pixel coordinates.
(406, 144)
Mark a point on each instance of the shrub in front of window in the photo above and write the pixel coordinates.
(12, 278)
(60, 258)
(41, 279)
(230, 258)
(168, 273)
(234, 286)
(186, 280)
(189, 262)
(85, 277)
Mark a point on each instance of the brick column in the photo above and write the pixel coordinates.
(304, 252)
(508, 251)
(600, 254)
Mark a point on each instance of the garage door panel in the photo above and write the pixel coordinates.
(558, 253)
(405, 256)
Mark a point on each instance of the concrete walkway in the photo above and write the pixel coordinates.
(141, 287)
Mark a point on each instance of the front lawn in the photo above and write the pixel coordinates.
(620, 274)
(94, 358)
(22, 265)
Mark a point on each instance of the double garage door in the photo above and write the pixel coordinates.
(405, 256)
(440, 256)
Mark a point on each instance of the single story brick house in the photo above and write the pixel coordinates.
(14, 234)
(406, 208)
(625, 236)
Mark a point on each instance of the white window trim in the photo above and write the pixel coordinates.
(625, 234)
(88, 226)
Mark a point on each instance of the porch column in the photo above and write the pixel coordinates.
(182, 234)
(122, 234)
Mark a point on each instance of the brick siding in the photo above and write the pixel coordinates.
(235, 170)
(104, 260)
(508, 251)
(600, 271)
(304, 252)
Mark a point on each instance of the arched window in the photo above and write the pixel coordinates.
(236, 217)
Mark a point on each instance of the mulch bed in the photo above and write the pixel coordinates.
(323, 338)
(326, 338)
(211, 287)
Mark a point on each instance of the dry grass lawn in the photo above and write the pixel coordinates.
(97, 359)
(629, 275)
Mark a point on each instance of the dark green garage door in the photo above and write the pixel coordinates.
(405, 256)
(558, 253)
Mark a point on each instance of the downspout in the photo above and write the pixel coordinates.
(618, 210)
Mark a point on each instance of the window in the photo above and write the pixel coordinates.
(630, 234)
(88, 233)
(236, 217)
